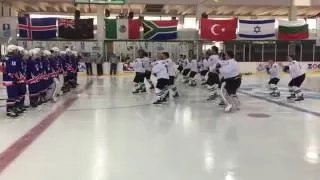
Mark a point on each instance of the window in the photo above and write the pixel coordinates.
(307, 50)
(282, 50)
(190, 23)
(269, 51)
(256, 52)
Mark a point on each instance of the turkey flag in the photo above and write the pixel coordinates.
(218, 30)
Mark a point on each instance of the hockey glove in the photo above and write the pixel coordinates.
(286, 69)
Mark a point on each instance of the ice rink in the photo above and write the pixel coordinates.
(104, 132)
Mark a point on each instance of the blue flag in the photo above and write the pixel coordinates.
(37, 28)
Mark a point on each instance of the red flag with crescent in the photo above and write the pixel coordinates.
(218, 29)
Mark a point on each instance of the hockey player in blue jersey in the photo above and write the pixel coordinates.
(33, 77)
(55, 73)
(60, 58)
(73, 69)
(65, 64)
(48, 75)
(41, 79)
(10, 80)
(22, 57)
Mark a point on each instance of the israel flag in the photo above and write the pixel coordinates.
(257, 29)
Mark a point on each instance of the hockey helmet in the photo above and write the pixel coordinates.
(11, 48)
(46, 53)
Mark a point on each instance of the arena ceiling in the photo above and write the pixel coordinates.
(212, 7)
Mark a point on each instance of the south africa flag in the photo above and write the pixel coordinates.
(160, 30)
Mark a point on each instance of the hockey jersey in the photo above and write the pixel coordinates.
(40, 69)
(186, 64)
(229, 69)
(194, 65)
(68, 65)
(204, 65)
(53, 64)
(32, 74)
(147, 63)
(170, 65)
(212, 62)
(295, 69)
(11, 70)
(23, 71)
(59, 65)
(160, 70)
(138, 65)
(274, 71)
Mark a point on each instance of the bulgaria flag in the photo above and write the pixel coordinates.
(122, 28)
(293, 30)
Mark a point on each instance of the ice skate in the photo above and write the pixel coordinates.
(176, 95)
(291, 97)
(12, 114)
(275, 94)
(299, 98)
(228, 108)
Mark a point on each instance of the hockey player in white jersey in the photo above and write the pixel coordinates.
(186, 70)
(213, 80)
(230, 71)
(148, 68)
(170, 65)
(273, 69)
(298, 76)
(194, 70)
(160, 71)
(204, 68)
(140, 71)
(180, 63)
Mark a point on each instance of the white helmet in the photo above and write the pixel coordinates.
(20, 49)
(68, 51)
(25, 52)
(11, 48)
(46, 53)
(75, 53)
(34, 52)
(55, 49)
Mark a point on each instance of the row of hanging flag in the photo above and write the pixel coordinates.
(224, 30)
(210, 29)
(130, 29)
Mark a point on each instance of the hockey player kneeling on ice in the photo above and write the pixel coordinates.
(180, 63)
(138, 67)
(298, 76)
(160, 71)
(170, 65)
(213, 80)
(273, 70)
(186, 70)
(194, 71)
(204, 68)
(230, 71)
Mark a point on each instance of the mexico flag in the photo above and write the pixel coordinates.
(122, 28)
(293, 30)
(218, 30)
